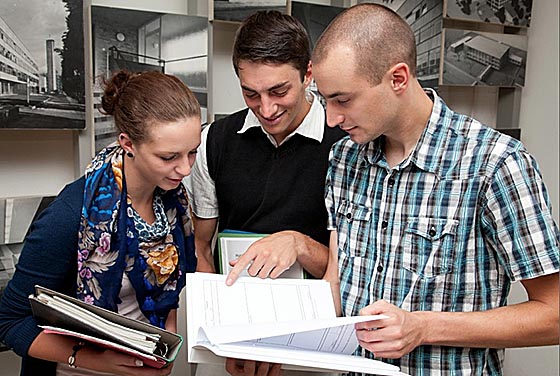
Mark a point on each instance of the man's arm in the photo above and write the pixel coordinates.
(531, 323)
(203, 234)
(275, 253)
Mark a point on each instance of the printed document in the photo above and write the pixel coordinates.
(287, 321)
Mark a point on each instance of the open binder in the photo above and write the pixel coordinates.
(61, 314)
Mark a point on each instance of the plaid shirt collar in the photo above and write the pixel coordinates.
(428, 152)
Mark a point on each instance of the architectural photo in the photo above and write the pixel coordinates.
(140, 41)
(490, 59)
(425, 19)
(238, 10)
(42, 67)
(504, 12)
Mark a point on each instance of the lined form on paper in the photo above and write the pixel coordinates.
(287, 321)
(253, 301)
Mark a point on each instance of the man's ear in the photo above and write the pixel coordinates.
(400, 77)
(308, 75)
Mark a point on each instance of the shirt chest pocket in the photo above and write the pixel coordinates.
(428, 245)
(353, 224)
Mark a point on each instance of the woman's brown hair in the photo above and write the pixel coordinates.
(137, 100)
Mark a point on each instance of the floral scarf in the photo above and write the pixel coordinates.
(109, 245)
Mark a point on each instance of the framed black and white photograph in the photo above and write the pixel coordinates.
(425, 19)
(42, 82)
(238, 10)
(488, 59)
(314, 17)
(503, 12)
(140, 41)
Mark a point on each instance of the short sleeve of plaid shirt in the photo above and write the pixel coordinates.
(517, 220)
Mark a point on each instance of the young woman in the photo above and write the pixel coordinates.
(119, 237)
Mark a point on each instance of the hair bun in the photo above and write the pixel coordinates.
(113, 90)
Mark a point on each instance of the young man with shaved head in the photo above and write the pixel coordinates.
(432, 214)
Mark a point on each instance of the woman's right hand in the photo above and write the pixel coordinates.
(117, 363)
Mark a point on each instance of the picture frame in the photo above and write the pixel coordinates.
(516, 13)
(42, 79)
(478, 58)
(137, 41)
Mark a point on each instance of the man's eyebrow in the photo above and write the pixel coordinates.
(277, 86)
(333, 95)
(247, 88)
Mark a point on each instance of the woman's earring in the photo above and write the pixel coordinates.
(129, 154)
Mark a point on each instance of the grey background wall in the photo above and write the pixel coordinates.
(42, 162)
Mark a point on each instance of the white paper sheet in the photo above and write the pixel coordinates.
(287, 321)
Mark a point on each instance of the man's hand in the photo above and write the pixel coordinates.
(268, 257)
(393, 337)
(238, 367)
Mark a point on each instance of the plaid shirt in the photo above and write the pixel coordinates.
(448, 229)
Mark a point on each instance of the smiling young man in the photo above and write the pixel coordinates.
(263, 168)
(433, 215)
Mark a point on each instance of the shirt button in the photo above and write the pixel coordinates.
(349, 215)
(432, 232)
(391, 182)
(384, 225)
(379, 268)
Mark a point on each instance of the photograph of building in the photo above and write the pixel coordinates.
(238, 10)
(140, 41)
(42, 67)
(425, 19)
(474, 58)
(315, 18)
(505, 12)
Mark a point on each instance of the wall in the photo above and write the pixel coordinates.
(540, 132)
(35, 162)
(539, 101)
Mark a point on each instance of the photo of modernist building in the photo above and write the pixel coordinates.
(42, 66)
(238, 10)
(315, 18)
(505, 12)
(139, 41)
(473, 58)
(425, 19)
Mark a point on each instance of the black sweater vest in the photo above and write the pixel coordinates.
(264, 189)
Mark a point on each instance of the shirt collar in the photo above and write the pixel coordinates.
(429, 149)
(312, 126)
(438, 133)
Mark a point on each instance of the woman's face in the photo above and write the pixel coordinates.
(167, 154)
